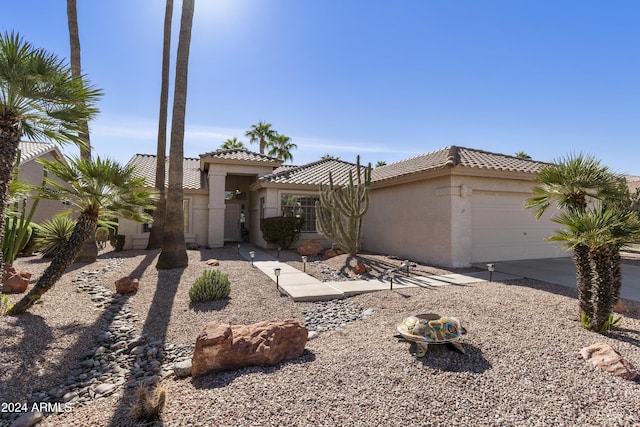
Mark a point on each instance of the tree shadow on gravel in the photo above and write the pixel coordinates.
(441, 358)
(223, 379)
(629, 336)
(225, 253)
(208, 306)
(155, 327)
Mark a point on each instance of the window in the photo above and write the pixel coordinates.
(302, 207)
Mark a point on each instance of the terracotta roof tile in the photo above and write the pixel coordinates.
(145, 165)
(30, 150)
(453, 156)
(315, 173)
(241, 154)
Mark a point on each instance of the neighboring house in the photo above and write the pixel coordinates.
(32, 172)
(451, 207)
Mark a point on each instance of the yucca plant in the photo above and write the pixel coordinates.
(148, 406)
(53, 234)
(212, 285)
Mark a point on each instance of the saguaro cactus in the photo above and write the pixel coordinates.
(340, 209)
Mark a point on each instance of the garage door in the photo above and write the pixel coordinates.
(503, 230)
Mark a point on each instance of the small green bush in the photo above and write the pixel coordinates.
(53, 234)
(102, 236)
(281, 231)
(212, 285)
(117, 241)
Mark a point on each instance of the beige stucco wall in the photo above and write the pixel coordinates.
(32, 172)
(463, 216)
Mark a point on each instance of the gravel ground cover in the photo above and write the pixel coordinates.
(521, 368)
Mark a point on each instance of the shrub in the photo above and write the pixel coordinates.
(117, 241)
(102, 235)
(281, 231)
(212, 285)
(32, 243)
(148, 406)
(4, 304)
(53, 234)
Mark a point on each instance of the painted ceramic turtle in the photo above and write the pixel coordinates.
(431, 328)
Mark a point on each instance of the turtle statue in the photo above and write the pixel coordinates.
(431, 328)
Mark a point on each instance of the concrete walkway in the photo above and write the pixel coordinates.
(303, 287)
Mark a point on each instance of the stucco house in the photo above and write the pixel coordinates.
(452, 207)
(32, 172)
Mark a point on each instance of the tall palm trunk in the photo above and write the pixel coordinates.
(174, 250)
(85, 225)
(602, 279)
(583, 279)
(9, 141)
(157, 230)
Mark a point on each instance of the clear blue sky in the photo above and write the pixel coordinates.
(384, 79)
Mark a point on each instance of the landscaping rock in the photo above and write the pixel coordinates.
(212, 262)
(182, 369)
(127, 285)
(330, 253)
(222, 347)
(309, 248)
(28, 419)
(14, 281)
(620, 307)
(359, 269)
(607, 358)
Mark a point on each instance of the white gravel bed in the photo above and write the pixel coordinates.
(521, 368)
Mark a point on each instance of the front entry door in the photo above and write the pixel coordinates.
(232, 223)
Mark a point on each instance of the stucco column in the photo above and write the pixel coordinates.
(461, 233)
(216, 208)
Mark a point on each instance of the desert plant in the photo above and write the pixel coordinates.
(340, 209)
(4, 304)
(53, 234)
(117, 241)
(281, 231)
(212, 285)
(102, 235)
(31, 246)
(148, 406)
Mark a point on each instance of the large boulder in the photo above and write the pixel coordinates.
(14, 281)
(127, 285)
(608, 359)
(223, 347)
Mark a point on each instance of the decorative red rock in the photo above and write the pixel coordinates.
(359, 269)
(608, 359)
(330, 253)
(223, 347)
(127, 285)
(14, 281)
(620, 307)
(310, 248)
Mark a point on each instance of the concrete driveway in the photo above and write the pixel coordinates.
(562, 271)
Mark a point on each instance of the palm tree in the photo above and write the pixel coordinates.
(572, 184)
(261, 133)
(381, 163)
(157, 231)
(174, 248)
(329, 157)
(97, 188)
(280, 146)
(232, 143)
(39, 99)
(523, 155)
(603, 230)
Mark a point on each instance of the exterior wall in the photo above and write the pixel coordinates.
(32, 172)
(410, 220)
(136, 238)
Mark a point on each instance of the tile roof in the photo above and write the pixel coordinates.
(145, 165)
(30, 150)
(241, 154)
(314, 173)
(454, 156)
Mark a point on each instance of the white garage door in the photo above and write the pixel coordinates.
(503, 230)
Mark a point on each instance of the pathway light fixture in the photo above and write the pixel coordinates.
(276, 271)
(238, 247)
(304, 263)
(252, 254)
(491, 268)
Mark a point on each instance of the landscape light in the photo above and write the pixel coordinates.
(277, 273)
(491, 268)
(238, 247)
(252, 254)
(304, 264)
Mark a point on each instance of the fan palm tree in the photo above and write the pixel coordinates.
(232, 143)
(381, 163)
(280, 146)
(571, 184)
(523, 155)
(261, 133)
(603, 231)
(95, 187)
(39, 99)
(157, 231)
(174, 248)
